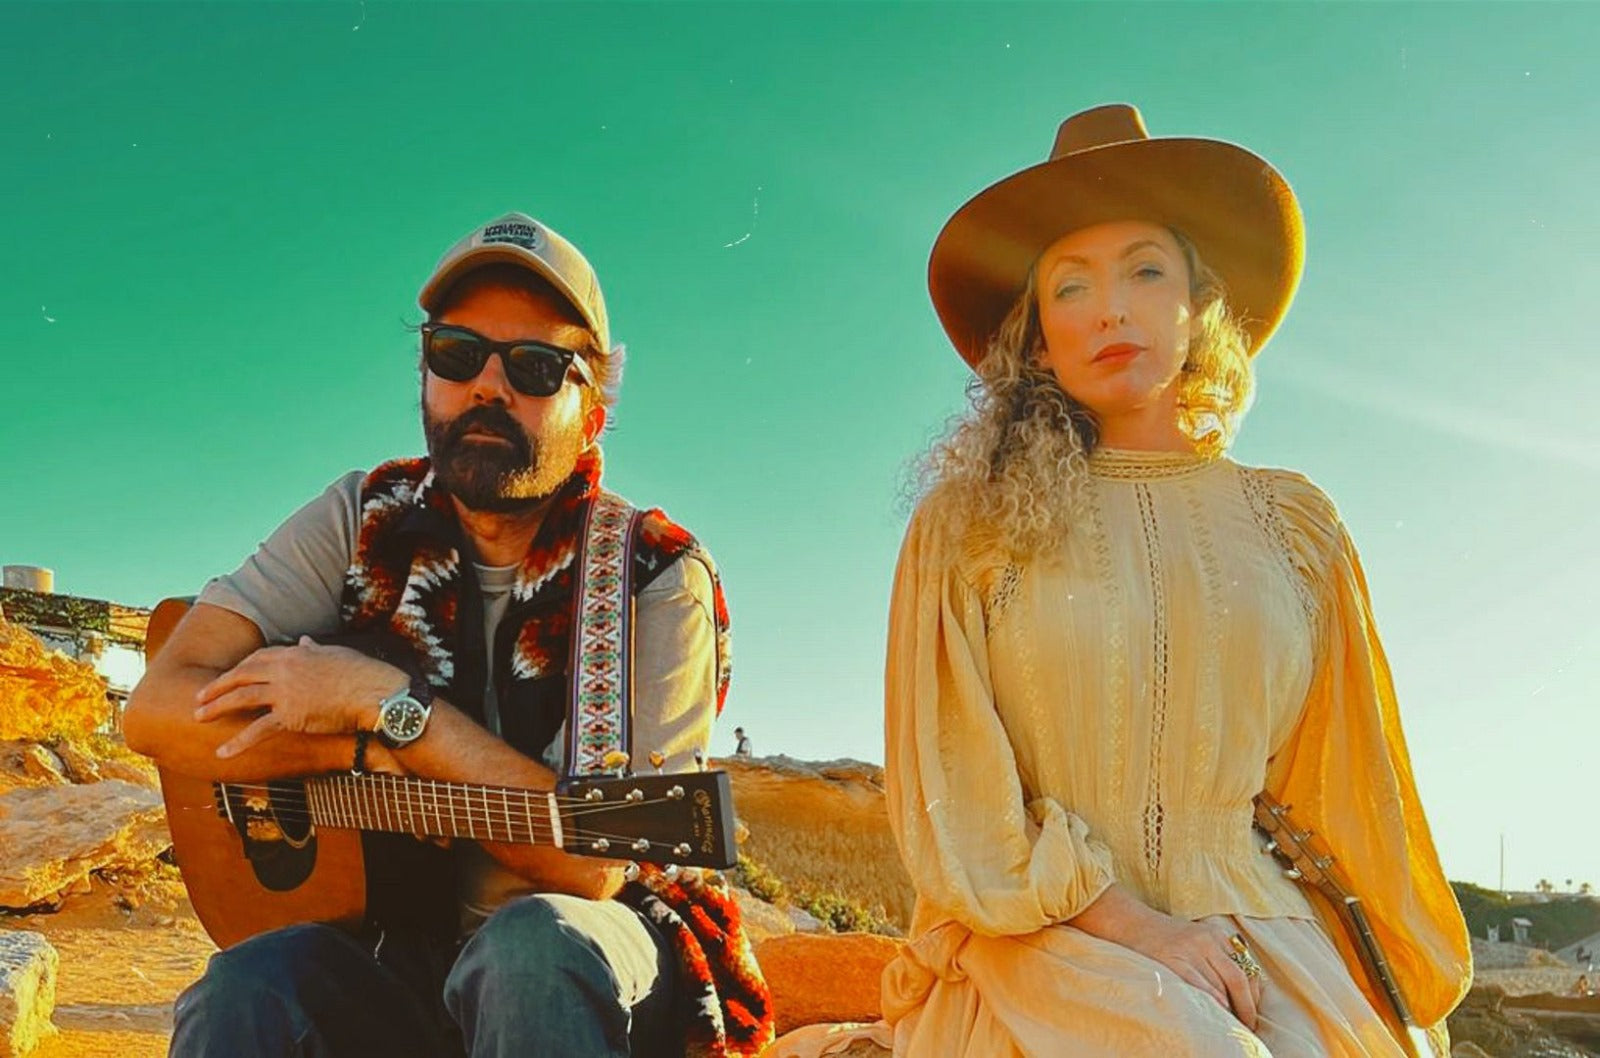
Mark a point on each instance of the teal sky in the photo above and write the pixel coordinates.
(216, 217)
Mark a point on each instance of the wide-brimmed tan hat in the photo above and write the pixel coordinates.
(1238, 210)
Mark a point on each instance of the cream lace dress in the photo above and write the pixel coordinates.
(1205, 633)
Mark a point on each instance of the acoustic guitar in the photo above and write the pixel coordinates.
(351, 850)
(1306, 860)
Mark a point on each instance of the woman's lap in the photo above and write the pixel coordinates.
(1062, 992)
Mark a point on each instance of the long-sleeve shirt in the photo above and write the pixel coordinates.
(1107, 711)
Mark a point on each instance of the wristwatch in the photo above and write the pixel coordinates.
(403, 715)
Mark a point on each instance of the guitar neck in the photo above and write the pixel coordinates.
(425, 808)
(1315, 868)
(1372, 955)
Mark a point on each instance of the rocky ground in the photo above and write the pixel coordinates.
(125, 952)
(82, 826)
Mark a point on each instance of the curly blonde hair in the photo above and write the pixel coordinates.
(1013, 465)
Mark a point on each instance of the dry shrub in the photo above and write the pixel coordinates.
(857, 868)
(837, 913)
(43, 693)
(829, 842)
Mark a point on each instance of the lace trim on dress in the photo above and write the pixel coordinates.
(1155, 807)
(1116, 616)
(1129, 464)
(999, 598)
(1263, 500)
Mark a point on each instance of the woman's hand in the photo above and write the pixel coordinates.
(1198, 952)
(307, 689)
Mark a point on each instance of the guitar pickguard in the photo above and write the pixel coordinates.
(274, 825)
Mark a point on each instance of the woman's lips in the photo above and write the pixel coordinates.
(1118, 351)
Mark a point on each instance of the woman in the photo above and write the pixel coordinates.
(1106, 638)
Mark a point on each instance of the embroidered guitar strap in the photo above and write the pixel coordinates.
(600, 704)
(725, 1007)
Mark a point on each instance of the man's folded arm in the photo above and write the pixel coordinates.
(159, 721)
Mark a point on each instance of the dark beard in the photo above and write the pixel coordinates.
(484, 476)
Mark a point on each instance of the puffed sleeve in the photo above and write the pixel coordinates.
(1346, 771)
(975, 849)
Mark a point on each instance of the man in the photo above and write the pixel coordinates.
(466, 559)
(741, 747)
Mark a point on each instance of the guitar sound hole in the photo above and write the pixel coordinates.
(290, 810)
(274, 825)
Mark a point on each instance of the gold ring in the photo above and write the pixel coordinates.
(1241, 957)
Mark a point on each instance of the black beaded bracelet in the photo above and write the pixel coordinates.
(359, 765)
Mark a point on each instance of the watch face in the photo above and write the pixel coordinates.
(402, 719)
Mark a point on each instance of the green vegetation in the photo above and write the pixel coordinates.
(759, 881)
(838, 913)
(1561, 921)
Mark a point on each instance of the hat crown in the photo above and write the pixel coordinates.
(1099, 127)
(519, 239)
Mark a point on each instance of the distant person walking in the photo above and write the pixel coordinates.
(742, 748)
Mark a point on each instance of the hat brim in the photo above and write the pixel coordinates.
(505, 253)
(1239, 211)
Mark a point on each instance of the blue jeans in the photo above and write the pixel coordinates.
(546, 975)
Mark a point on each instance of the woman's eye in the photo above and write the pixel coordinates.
(1067, 290)
(1149, 271)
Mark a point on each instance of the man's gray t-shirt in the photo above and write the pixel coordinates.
(292, 585)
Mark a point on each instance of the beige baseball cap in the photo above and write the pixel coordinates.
(518, 239)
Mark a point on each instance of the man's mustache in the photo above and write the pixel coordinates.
(489, 419)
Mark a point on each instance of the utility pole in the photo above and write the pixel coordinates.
(1502, 863)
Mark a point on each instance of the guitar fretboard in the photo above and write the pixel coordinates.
(1291, 846)
(405, 805)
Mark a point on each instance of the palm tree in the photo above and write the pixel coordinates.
(1545, 886)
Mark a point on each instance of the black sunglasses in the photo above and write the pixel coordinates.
(534, 368)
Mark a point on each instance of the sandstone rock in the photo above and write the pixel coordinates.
(79, 765)
(824, 829)
(803, 921)
(1485, 1020)
(42, 764)
(136, 772)
(826, 977)
(28, 764)
(55, 836)
(1500, 955)
(761, 919)
(27, 991)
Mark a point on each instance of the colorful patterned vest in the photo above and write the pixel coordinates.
(406, 584)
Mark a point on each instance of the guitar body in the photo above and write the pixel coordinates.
(253, 860)
(268, 867)
(321, 881)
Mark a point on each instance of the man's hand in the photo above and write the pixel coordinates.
(307, 689)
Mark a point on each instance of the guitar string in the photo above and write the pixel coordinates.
(489, 816)
(506, 799)
(531, 836)
(467, 797)
(411, 811)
